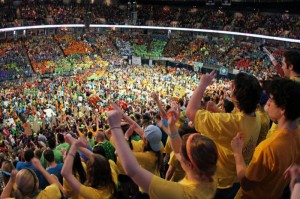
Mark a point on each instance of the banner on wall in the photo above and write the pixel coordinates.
(197, 66)
(136, 60)
(224, 71)
(179, 91)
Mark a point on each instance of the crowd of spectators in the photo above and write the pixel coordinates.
(283, 25)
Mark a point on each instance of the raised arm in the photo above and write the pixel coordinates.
(173, 116)
(66, 171)
(130, 165)
(195, 102)
(9, 186)
(162, 111)
(137, 129)
(274, 62)
(51, 179)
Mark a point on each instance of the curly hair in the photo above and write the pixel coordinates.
(286, 95)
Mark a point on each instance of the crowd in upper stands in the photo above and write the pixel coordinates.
(283, 25)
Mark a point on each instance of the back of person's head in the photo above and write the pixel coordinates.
(6, 166)
(228, 106)
(292, 57)
(247, 92)
(286, 95)
(202, 152)
(99, 173)
(28, 155)
(99, 150)
(137, 116)
(52, 143)
(90, 135)
(181, 102)
(100, 135)
(157, 117)
(49, 155)
(77, 168)
(27, 184)
(38, 153)
(60, 138)
(185, 129)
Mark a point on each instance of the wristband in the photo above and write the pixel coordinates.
(115, 127)
(72, 155)
(173, 135)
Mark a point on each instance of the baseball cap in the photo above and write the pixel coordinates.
(153, 135)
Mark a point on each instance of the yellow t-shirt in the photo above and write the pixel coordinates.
(51, 192)
(272, 130)
(221, 128)
(147, 160)
(265, 125)
(270, 160)
(160, 188)
(114, 171)
(179, 173)
(92, 193)
(168, 147)
(137, 146)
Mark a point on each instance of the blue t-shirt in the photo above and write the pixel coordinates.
(56, 171)
(28, 165)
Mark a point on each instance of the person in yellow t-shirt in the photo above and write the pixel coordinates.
(196, 153)
(264, 178)
(222, 127)
(290, 69)
(99, 181)
(27, 183)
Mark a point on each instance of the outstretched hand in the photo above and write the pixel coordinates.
(154, 96)
(81, 142)
(116, 107)
(237, 143)
(114, 118)
(173, 113)
(206, 79)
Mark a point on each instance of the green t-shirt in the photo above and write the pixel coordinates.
(109, 150)
(63, 145)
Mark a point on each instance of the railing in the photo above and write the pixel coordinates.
(151, 28)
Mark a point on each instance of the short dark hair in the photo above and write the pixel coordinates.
(98, 149)
(228, 106)
(28, 155)
(292, 57)
(60, 138)
(286, 94)
(52, 143)
(90, 135)
(247, 91)
(49, 155)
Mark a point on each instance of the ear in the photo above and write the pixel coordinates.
(282, 111)
(291, 67)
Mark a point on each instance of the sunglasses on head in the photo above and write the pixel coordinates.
(5, 172)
